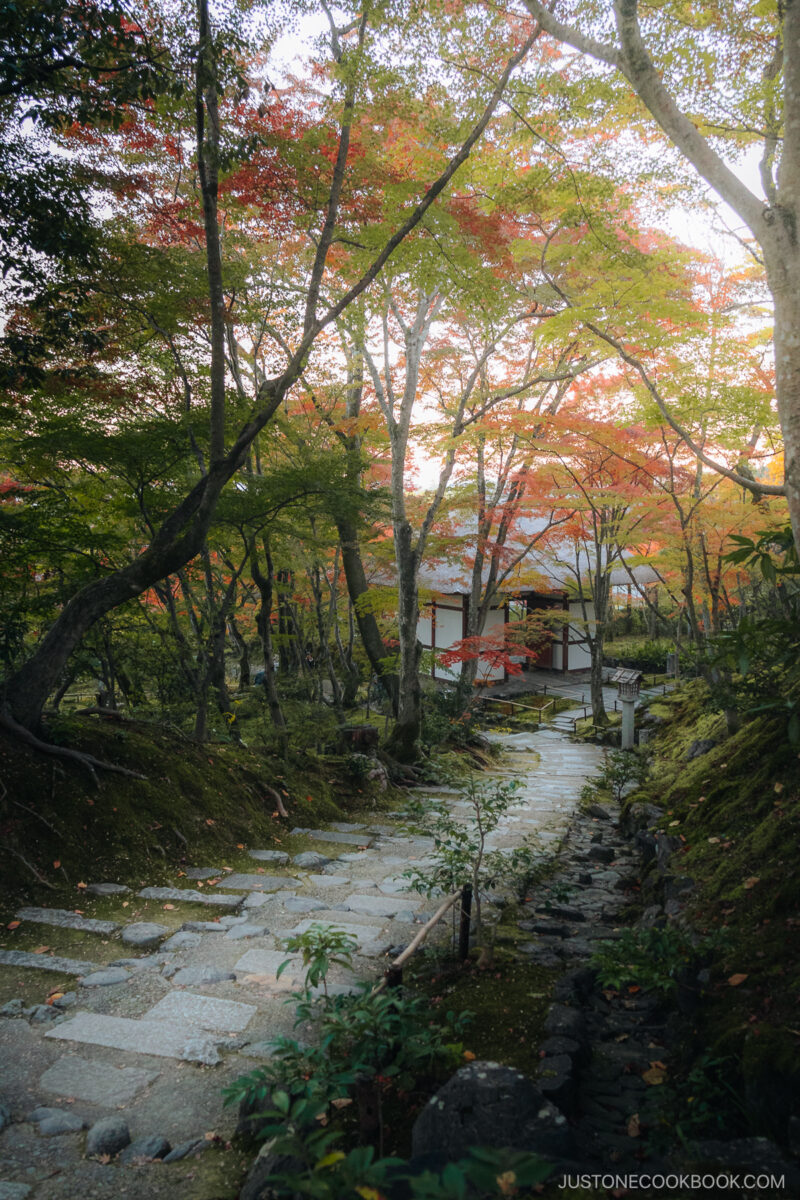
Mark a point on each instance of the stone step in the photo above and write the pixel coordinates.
(63, 918)
(345, 839)
(257, 883)
(206, 1012)
(265, 964)
(368, 941)
(165, 1039)
(99, 1083)
(47, 962)
(381, 906)
(187, 896)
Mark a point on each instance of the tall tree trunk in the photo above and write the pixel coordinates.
(357, 589)
(404, 740)
(244, 653)
(264, 583)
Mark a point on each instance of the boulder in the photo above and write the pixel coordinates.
(597, 811)
(698, 748)
(108, 1136)
(486, 1104)
(266, 1164)
(601, 853)
(310, 860)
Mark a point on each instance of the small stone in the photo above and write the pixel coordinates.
(66, 1001)
(183, 940)
(40, 1014)
(107, 889)
(193, 1146)
(602, 853)
(310, 859)
(256, 900)
(145, 1149)
(13, 1191)
(57, 1122)
(202, 927)
(238, 932)
(199, 976)
(13, 1008)
(144, 933)
(275, 856)
(108, 1136)
(106, 978)
(194, 873)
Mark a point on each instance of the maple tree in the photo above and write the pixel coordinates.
(655, 52)
(181, 533)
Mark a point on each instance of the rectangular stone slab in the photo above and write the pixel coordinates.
(266, 963)
(206, 1012)
(257, 883)
(62, 918)
(99, 1083)
(346, 839)
(47, 962)
(366, 941)
(187, 896)
(382, 906)
(166, 1039)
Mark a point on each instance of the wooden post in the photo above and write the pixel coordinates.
(463, 930)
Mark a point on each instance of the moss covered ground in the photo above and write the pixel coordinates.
(198, 804)
(736, 813)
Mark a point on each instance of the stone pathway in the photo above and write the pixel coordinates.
(135, 1038)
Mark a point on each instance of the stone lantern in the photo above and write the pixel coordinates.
(629, 684)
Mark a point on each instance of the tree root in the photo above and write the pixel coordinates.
(276, 796)
(31, 868)
(88, 761)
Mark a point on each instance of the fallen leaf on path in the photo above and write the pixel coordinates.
(735, 980)
(57, 863)
(634, 1128)
(655, 1075)
(81, 885)
(752, 881)
(125, 903)
(713, 841)
(239, 846)
(169, 906)
(210, 821)
(13, 925)
(41, 949)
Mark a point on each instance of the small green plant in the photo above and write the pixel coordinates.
(460, 855)
(321, 947)
(705, 1103)
(651, 959)
(621, 769)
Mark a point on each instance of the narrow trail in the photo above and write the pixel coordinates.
(152, 1035)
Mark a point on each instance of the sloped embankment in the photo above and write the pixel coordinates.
(724, 856)
(196, 803)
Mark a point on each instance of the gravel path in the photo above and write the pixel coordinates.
(152, 1036)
